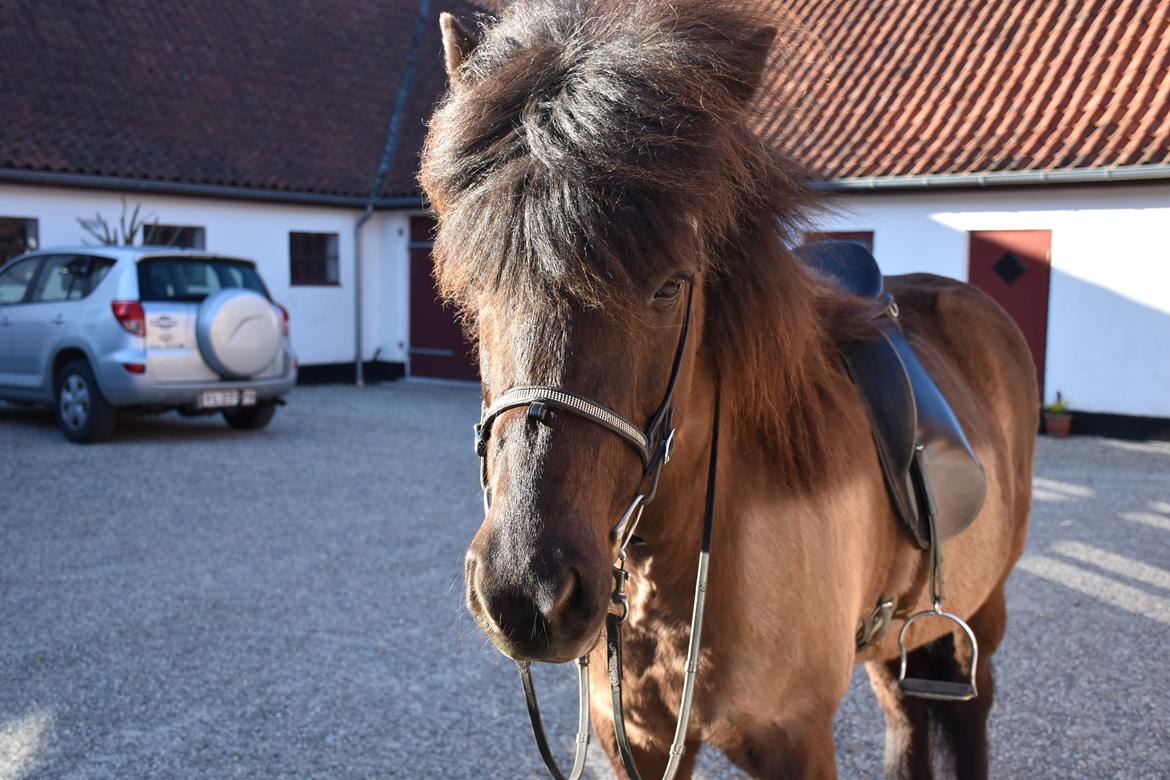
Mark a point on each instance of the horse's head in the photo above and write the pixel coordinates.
(587, 169)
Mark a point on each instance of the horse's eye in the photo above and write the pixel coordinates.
(669, 291)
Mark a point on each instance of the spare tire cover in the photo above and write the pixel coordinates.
(239, 332)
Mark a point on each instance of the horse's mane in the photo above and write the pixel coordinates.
(584, 144)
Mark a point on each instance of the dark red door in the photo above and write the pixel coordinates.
(437, 347)
(1012, 266)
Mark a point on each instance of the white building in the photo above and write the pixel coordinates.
(322, 306)
(974, 156)
(1101, 255)
(1024, 147)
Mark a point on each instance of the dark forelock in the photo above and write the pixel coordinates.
(583, 139)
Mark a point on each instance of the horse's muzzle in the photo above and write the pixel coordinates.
(551, 616)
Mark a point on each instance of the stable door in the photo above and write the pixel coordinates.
(1014, 268)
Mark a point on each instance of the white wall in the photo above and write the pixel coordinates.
(1109, 304)
(322, 317)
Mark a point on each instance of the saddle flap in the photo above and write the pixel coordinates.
(910, 418)
(877, 371)
(950, 468)
(912, 422)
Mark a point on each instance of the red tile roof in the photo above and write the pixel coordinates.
(923, 87)
(297, 96)
(293, 96)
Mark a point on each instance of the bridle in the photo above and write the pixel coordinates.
(653, 445)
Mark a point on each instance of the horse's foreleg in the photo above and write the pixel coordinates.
(962, 724)
(907, 720)
(966, 722)
(798, 750)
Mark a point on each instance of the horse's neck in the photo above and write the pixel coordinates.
(760, 479)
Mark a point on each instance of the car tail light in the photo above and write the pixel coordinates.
(283, 318)
(135, 368)
(130, 316)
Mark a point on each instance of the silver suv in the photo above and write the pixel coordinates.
(91, 330)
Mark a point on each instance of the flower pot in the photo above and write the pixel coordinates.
(1057, 424)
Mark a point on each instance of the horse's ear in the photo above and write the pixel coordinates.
(755, 58)
(458, 44)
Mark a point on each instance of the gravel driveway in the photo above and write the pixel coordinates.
(189, 601)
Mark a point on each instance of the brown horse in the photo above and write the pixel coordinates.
(590, 163)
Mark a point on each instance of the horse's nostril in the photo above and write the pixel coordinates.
(569, 595)
(472, 588)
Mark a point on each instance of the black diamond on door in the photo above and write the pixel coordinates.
(1009, 268)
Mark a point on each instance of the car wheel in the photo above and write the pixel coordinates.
(251, 418)
(83, 413)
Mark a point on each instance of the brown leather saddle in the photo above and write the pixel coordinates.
(933, 476)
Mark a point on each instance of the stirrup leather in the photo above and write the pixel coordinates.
(920, 687)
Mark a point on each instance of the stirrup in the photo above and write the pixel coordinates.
(939, 690)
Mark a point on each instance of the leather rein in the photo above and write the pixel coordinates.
(653, 445)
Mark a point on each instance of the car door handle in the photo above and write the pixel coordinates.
(58, 320)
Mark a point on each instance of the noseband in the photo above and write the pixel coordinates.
(653, 445)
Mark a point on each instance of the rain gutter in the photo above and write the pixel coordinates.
(154, 186)
(388, 151)
(1121, 173)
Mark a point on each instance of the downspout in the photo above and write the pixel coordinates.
(388, 151)
(359, 373)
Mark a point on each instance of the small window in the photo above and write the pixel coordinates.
(181, 236)
(313, 258)
(17, 236)
(69, 277)
(98, 268)
(15, 279)
(193, 278)
(862, 237)
(62, 278)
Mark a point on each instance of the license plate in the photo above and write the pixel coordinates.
(218, 399)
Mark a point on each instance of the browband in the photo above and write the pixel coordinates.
(538, 398)
(652, 445)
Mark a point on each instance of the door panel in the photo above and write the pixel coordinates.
(437, 347)
(5, 344)
(37, 326)
(14, 288)
(1014, 268)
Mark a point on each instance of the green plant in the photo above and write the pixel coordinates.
(1058, 406)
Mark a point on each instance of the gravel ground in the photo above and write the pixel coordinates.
(188, 601)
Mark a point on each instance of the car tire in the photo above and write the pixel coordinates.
(83, 413)
(251, 418)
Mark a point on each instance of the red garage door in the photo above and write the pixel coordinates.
(437, 347)
(1012, 266)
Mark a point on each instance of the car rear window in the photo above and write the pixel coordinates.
(193, 278)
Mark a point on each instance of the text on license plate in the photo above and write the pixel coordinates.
(215, 399)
